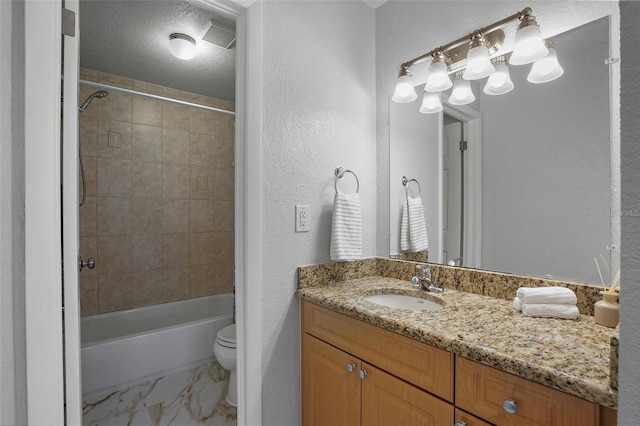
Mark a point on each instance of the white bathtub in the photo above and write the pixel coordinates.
(122, 348)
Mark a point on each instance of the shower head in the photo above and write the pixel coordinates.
(99, 94)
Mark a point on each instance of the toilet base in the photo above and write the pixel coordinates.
(232, 394)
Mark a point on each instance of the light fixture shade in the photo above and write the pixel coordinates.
(499, 82)
(182, 46)
(405, 91)
(528, 46)
(431, 103)
(438, 79)
(478, 63)
(546, 69)
(461, 93)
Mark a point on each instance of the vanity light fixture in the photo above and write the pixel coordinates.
(546, 69)
(431, 102)
(182, 46)
(438, 79)
(405, 91)
(461, 93)
(473, 52)
(499, 82)
(478, 63)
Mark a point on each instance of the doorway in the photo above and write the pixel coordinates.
(453, 173)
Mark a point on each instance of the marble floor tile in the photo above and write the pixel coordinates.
(190, 397)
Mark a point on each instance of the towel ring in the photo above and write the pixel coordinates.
(340, 172)
(406, 183)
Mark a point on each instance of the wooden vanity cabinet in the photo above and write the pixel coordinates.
(363, 383)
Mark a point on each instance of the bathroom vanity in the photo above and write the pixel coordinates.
(475, 361)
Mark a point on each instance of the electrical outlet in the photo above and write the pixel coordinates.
(303, 218)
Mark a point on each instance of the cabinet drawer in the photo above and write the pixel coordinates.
(423, 365)
(462, 417)
(481, 390)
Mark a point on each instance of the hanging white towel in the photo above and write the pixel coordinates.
(413, 226)
(546, 310)
(549, 295)
(346, 227)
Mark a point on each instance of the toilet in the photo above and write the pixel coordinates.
(225, 350)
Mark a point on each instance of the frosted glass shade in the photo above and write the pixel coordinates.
(431, 102)
(438, 79)
(528, 47)
(405, 91)
(546, 69)
(478, 64)
(461, 93)
(182, 46)
(499, 82)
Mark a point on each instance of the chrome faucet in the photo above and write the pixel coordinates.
(424, 282)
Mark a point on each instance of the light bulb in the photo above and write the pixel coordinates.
(546, 69)
(438, 79)
(431, 102)
(182, 46)
(478, 63)
(461, 93)
(499, 82)
(405, 91)
(528, 46)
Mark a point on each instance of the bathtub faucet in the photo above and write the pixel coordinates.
(424, 282)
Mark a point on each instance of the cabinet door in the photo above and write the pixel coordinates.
(389, 401)
(330, 392)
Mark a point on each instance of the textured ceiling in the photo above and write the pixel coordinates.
(129, 38)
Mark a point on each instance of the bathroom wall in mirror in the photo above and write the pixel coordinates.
(531, 192)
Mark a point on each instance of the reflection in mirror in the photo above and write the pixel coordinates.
(531, 194)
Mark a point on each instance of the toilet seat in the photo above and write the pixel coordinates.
(227, 336)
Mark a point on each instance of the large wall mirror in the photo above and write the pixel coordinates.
(532, 193)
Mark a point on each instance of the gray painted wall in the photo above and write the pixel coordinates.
(12, 320)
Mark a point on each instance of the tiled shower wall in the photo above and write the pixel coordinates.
(158, 216)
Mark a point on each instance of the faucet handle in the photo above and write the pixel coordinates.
(415, 282)
(425, 271)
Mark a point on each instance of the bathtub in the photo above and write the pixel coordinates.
(122, 348)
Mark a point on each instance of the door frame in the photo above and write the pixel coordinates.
(43, 234)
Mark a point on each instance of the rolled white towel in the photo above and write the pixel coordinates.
(517, 304)
(545, 310)
(547, 295)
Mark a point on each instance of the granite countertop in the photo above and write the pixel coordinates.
(572, 356)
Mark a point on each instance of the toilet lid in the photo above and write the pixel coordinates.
(227, 336)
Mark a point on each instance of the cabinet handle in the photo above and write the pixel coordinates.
(351, 367)
(460, 423)
(509, 406)
(362, 374)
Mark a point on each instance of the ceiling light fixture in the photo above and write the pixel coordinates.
(546, 69)
(431, 102)
(528, 46)
(438, 79)
(499, 82)
(461, 93)
(478, 63)
(182, 46)
(405, 91)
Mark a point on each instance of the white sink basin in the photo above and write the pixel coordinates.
(402, 301)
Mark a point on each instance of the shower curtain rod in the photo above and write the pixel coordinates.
(160, 98)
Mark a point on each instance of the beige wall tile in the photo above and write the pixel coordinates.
(175, 117)
(114, 216)
(88, 295)
(146, 143)
(175, 146)
(114, 292)
(114, 139)
(89, 217)
(181, 95)
(175, 181)
(175, 284)
(116, 80)
(224, 216)
(88, 134)
(175, 216)
(116, 106)
(225, 152)
(202, 280)
(204, 121)
(146, 179)
(143, 86)
(146, 111)
(114, 254)
(202, 183)
(223, 247)
(223, 277)
(201, 215)
(147, 288)
(90, 165)
(201, 248)
(225, 186)
(202, 150)
(89, 75)
(114, 177)
(146, 215)
(175, 250)
(146, 252)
